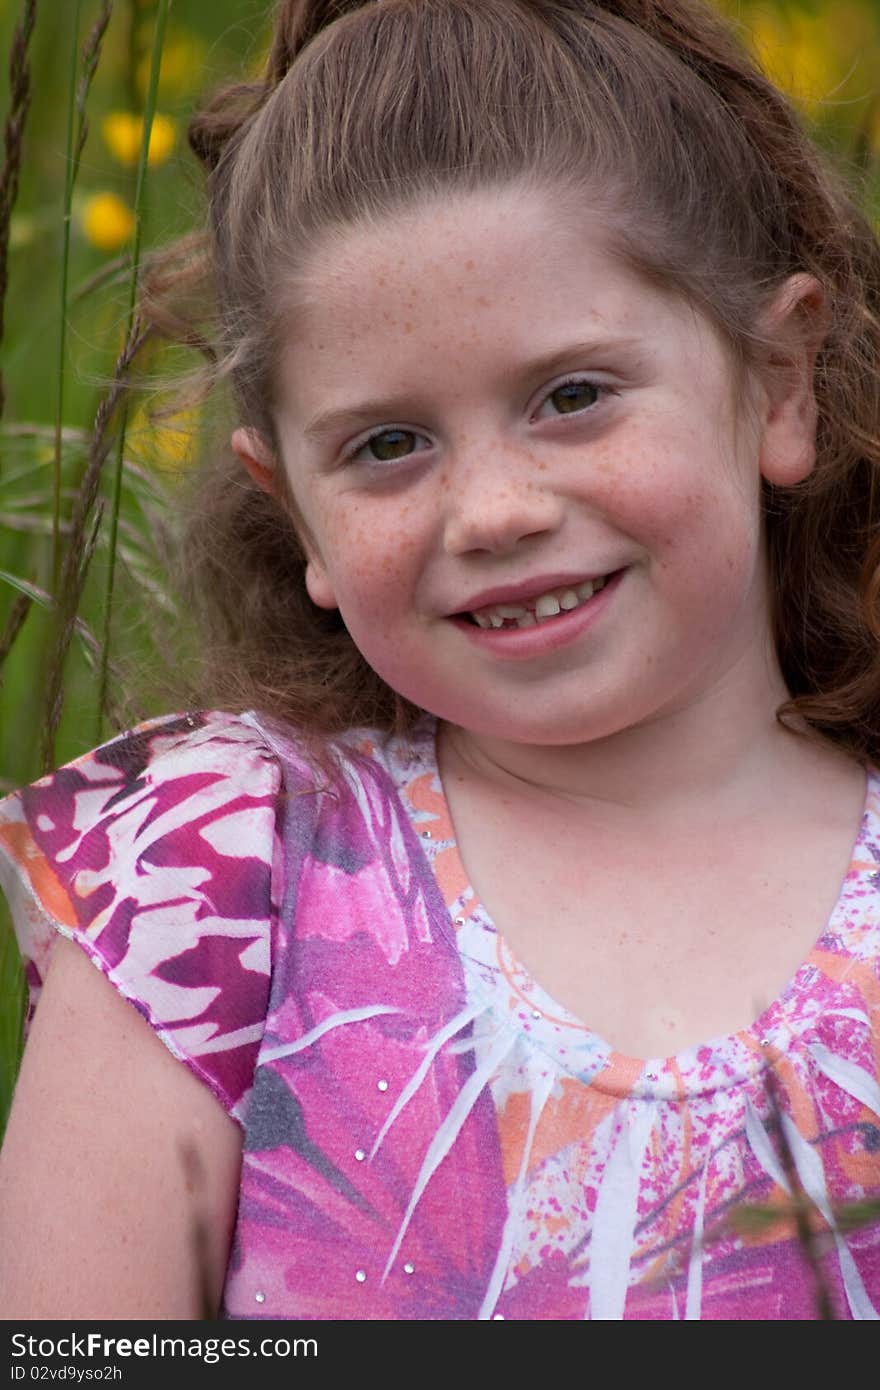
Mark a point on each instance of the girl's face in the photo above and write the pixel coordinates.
(483, 411)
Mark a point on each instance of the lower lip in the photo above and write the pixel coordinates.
(548, 636)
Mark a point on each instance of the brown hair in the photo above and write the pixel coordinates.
(654, 113)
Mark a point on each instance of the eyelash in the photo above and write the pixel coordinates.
(351, 455)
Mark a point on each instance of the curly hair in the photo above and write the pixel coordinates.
(653, 115)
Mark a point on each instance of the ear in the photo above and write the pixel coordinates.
(796, 324)
(253, 451)
(318, 585)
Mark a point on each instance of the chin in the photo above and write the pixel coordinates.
(542, 729)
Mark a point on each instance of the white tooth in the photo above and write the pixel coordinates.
(585, 590)
(528, 620)
(481, 620)
(598, 584)
(546, 607)
(509, 610)
(568, 600)
(496, 620)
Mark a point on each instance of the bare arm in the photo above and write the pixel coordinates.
(97, 1207)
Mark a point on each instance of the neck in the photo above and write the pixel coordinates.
(722, 754)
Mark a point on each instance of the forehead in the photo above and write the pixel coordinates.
(452, 241)
(471, 276)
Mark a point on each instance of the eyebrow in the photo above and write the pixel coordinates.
(368, 412)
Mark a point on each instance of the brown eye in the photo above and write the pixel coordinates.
(391, 445)
(574, 395)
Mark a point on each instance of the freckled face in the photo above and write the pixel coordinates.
(478, 399)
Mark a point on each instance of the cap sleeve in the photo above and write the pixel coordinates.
(158, 854)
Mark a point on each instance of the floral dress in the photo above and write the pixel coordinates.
(426, 1132)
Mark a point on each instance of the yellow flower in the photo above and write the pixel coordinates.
(818, 66)
(823, 59)
(167, 442)
(21, 230)
(107, 221)
(123, 133)
(181, 71)
(769, 39)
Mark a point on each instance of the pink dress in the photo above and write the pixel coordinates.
(427, 1134)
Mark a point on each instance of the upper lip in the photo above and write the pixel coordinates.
(527, 589)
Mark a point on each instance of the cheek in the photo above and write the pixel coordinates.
(691, 513)
(648, 495)
(682, 495)
(368, 549)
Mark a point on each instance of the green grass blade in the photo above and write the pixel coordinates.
(149, 112)
(20, 99)
(31, 590)
(12, 1012)
(62, 320)
(78, 552)
(14, 624)
(76, 117)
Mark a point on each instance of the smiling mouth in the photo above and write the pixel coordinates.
(541, 609)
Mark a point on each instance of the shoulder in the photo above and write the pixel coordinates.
(204, 782)
(212, 745)
(849, 951)
(865, 867)
(872, 793)
(160, 854)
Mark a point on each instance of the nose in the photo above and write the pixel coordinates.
(497, 500)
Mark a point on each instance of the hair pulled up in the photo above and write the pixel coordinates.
(655, 117)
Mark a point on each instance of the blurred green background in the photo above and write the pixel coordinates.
(827, 56)
(205, 43)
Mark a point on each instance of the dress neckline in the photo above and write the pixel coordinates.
(502, 979)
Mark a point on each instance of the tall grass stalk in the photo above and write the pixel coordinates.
(21, 606)
(76, 116)
(149, 112)
(19, 104)
(62, 325)
(31, 594)
(79, 551)
(13, 1006)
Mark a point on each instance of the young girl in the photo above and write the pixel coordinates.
(524, 929)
